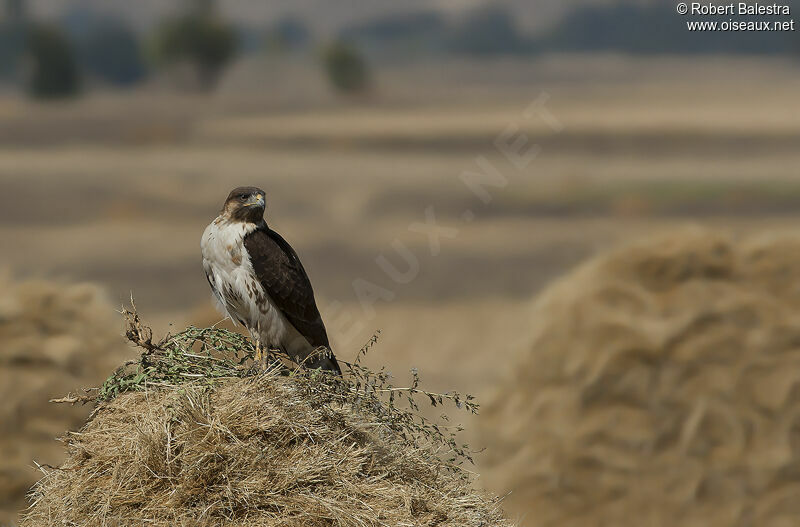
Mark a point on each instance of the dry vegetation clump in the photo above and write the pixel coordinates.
(190, 434)
(53, 337)
(662, 388)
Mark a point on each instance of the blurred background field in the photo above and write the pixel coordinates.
(355, 120)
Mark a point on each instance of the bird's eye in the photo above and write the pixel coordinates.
(242, 197)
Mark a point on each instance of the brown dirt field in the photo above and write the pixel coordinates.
(659, 387)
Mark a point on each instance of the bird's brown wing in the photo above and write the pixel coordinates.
(283, 278)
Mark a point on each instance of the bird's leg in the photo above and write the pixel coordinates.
(259, 353)
(255, 333)
(260, 360)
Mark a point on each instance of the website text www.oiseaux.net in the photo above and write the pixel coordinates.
(742, 10)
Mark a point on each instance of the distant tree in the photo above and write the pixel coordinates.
(12, 38)
(486, 31)
(289, 34)
(796, 47)
(111, 51)
(249, 39)
(12, 48)
(400, 35)
(53, 70)
(397, 26)
(652, 29)
(346, 68)
(199, 37)
(15, 9)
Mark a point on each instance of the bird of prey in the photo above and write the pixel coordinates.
(257, 279)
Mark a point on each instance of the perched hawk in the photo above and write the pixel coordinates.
(258, 280)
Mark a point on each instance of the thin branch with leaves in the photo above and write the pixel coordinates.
(209, 356)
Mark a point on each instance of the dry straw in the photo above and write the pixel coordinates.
(662, 388)
(53, 337)
(190, 435)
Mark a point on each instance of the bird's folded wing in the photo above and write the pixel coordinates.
(283, 278)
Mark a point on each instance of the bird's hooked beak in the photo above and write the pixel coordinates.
(256, 201)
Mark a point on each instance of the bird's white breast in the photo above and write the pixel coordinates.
(236, 287)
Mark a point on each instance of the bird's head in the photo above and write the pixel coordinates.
(245, 204)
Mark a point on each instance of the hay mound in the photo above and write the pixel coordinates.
(662, 388)
(54, 338)
(252, 452)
